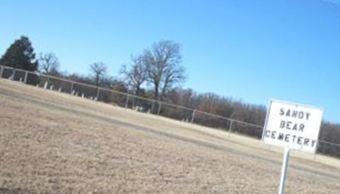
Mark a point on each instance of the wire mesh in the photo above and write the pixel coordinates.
(141, 104)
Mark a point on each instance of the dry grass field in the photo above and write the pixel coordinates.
(57, 143)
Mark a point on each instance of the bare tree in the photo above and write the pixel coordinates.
(135, 76)
(98, 71)
(162, 63)
(48, 63)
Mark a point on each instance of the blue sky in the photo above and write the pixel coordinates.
(252, 50)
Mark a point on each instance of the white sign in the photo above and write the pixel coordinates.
(292, 126)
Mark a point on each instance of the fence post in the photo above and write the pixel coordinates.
(71, 92)
(193, 116)
(133, 103)
(25, 78)
(46, 83)
(127, 101)
(97, 94)
(152, 106)
(2, 70)
(316, 149)
(13, 74)
(159, 107)
(230, 127)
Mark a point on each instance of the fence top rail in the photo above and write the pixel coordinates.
(7, 67)
(331, 143)
(13, 68)
(175, 105)
(230, 119)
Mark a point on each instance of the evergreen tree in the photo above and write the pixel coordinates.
(20, 55)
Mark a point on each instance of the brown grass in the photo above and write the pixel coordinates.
(57, 143)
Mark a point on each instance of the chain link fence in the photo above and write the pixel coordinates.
(146, 105)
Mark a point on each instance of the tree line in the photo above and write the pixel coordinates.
(157, 73)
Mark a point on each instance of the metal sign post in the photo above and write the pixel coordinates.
(284, 170)
(292, 126)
